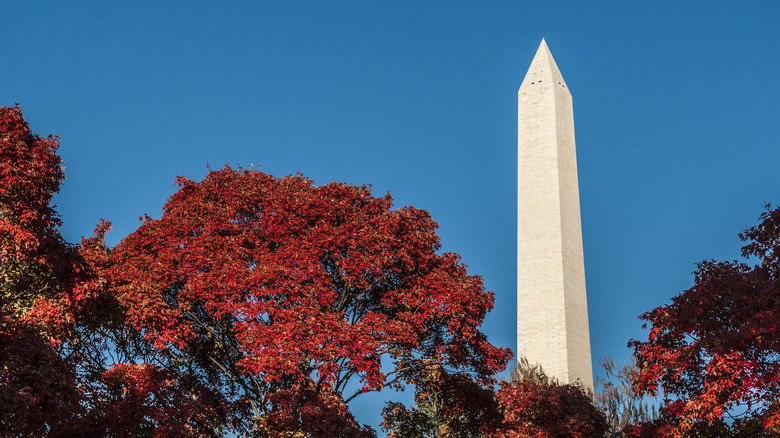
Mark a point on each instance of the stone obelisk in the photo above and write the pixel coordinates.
(552, 308)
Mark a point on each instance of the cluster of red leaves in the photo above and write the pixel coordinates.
(37, 385)
(144, 400)
(44, 281)
(56, 312)
(650, 429)
(547, 410)
(277, 286)
(251, 306)
(446, 404)
(715, 350)
(529, 405)
(30, 175)
(307, 411)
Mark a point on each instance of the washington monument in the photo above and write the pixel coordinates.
(552, 308)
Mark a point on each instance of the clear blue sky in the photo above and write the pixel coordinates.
(676, 113)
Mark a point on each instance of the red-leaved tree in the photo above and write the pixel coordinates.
(533, 404)
(256, 305)
(530, 404)
(533, 409)
(446, 405)
(38, 389)
(715, 350)
(280, 299)
(61, 373)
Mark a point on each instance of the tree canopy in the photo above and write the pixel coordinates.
(37, 383)
(715, 350)
(278, 294)
(255, 305)
(261, 306)
(529, 404)
(534, 404)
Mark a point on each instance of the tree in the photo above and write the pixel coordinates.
(535, 405)
(37, 384)
(714, 351)
(446, 405)
(36, 261)
(628, 413)
(256, 305)
(281, 298)
(59, 323)
(530, 404)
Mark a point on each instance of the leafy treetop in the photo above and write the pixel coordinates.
(715, 350)
(278, 293)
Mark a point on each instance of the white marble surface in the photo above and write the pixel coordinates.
(552, 314)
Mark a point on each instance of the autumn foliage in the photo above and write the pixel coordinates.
(534, 409)
(30, 175)
(445, 404)
(530, 404)
(285, 296)
(715, 350)
(533, 404)
(37, 384)
(262, 306)
(255, 305)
